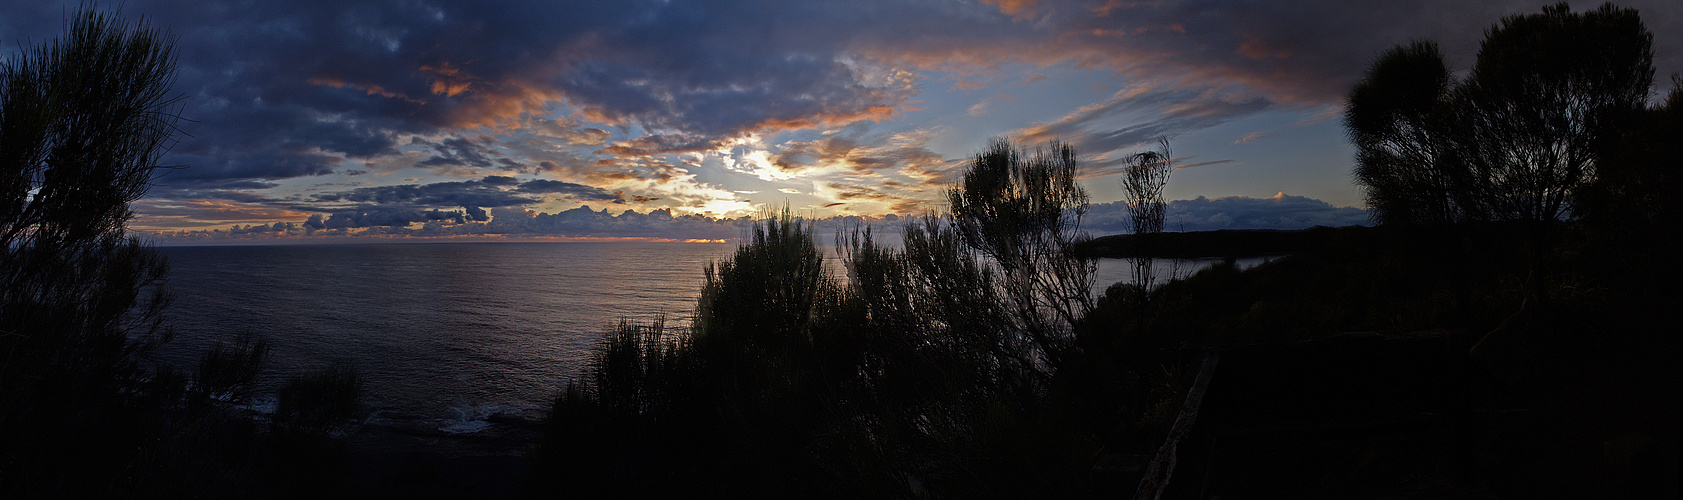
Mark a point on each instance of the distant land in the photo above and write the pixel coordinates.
(1218, 243)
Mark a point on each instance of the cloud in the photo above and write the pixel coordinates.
(279, 90)
(191, 213)
(491, 191)
(385, 217)
(1282, 211)
(1251, 137)
(1137, 116)
(660, 144)
(511, 223)
(905, 152)
(473, 152)
(1180, 163)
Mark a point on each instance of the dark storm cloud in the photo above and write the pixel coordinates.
(499, 180)
(460, 152)
(575, 191)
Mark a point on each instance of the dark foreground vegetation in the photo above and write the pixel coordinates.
(1519, 304)
(1511, 329)
(85, 410)
(1555, 354)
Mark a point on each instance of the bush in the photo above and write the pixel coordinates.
(927, 373)
(227, 372)
(321, 401)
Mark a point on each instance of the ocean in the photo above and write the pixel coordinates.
(445, 335)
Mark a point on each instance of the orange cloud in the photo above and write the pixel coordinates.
(447, 79)
(369, 88)
(1110, 5)
(1251, 137)
(1015, 8)
(874, 113)
(502, 106)
(158, 214)
(233, 211)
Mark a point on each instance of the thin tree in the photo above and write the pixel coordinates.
(1142, 184)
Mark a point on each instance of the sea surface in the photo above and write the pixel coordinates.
(445, 335)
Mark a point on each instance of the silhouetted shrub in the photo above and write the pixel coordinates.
(83, 120)
(320, 401)
(1023, 213)
(227, 372)
(926, 372)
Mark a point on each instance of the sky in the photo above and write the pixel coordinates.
(553, 119)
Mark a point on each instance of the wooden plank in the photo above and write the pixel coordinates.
(1162, 467)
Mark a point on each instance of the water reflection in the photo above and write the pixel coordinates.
(451, 331)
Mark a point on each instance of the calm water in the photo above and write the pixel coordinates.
(444, 334)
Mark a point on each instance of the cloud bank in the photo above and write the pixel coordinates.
(1201, 214)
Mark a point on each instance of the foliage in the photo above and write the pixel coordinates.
(319, 401)
(1143, 183)
(227, 372)
(84, 410)
(954, 401)
(1022, 213)
(925, 373)
(1397, 124)
(761, 303)
(635, 367)
(1515, 140)
(83, 120)
(1567, 346)
(1637, 182)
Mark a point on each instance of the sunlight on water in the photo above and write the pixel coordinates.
(447, 332)
(432, 326)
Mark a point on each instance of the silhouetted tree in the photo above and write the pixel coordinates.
(321, 400)
(1516, 139)
(929, 370)
(1397, 121)
(83, 120)
(1638, 182)
(228, 372)
(1542, 90)
(1024, 213)
(1142, 184)
(759, 307)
